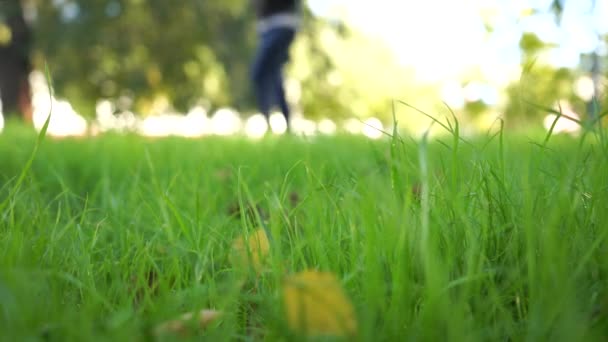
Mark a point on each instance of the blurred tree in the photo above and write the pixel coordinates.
(137, 51)
(595, 67)
(15, 39)
(142, 49)
(545, 85)
(540, 85)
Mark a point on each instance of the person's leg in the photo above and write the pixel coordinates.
(273, 53)
(280, 95)
(264, 93)
(285, 41)
(262, 83)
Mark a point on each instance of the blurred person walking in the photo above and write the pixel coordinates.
(277, 23)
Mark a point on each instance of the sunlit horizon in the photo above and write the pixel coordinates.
(444, 42)
(196, 123)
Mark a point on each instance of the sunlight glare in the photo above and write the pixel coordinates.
(193, 125)
(584, 88)
(161, 125)
(65, 121)
(278, 125)
(327, 126)
(563, 125)
(196, 123)
(373, 128)
(452, 94)
(353, 126)
(302, 126)
(256, 126)
(226, 121)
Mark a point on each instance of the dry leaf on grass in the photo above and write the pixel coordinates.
(294, 199)
(182, 325)
(248, 211)
(250, 252)
(417, 192)
(223, 174)
(315, 304)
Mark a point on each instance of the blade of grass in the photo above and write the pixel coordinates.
(30, 161)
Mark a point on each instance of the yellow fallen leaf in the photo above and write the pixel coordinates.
(315, 304)
(183, 323)
(250, 252)
(6, 35)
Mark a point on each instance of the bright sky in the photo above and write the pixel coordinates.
(443, 38)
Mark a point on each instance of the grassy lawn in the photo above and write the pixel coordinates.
(487, 239)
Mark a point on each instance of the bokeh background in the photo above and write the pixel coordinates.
(180, 67)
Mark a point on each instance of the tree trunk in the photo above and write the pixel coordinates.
(15, 64)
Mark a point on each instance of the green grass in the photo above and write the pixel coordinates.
(490, 239)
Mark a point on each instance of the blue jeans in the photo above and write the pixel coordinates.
(266, 71)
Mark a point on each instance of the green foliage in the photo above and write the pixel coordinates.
(539, 85)
(530, 44)
(542, 85)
